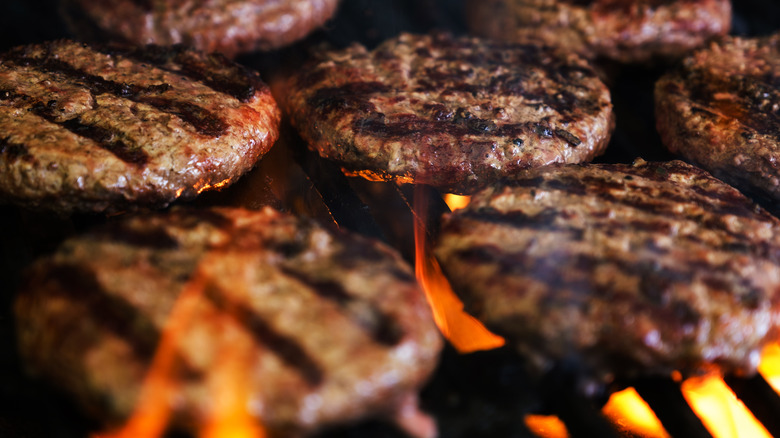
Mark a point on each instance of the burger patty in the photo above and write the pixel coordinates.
(641, 269)
(721, 110)
(104, 129)
(227, 26)
(626, 31)
(314, 327)
(455, 113)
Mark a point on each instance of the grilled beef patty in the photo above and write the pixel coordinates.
(227, 26)
(639, 269)
(626, 31)
(103, 129)
(721, 110)
(313, 327)
(455, 113)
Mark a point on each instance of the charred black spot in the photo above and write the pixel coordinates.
(570, 138)
(13, 151)
(439, 112)
(481, 125)
(752, 298)
(684, 312)
(543, 130)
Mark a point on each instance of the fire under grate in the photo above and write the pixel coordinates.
(480, 394)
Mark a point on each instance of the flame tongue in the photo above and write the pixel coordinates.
(463, 331)
(227, 379)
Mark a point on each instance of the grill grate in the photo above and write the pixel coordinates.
(557, 394)
(483, 394)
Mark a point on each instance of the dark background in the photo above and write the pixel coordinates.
(484, 394)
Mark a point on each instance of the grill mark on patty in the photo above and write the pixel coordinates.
(545, 221)
(204, 121)
(499, 54)
(192, 218)
(154, 238)
(753, 105)
(352, 96)
(654, 200)
(107, 139)
(113, 313)
(619, 6)
(461, 125)
(381, 327)
(241, 83)
(104, 138)
(552, 269)
(542, 221)
(285, 347)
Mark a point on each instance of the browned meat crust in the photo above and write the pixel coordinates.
(93, 129)
(227, 26)
(456, 113)
(627, 31)
(721, 110)
(331, 327)
(639, 269)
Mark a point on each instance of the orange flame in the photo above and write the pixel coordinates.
(546, 426)
(714, 402)
(722, 413)
(462, 330)
(228, 386)
(456, 202)
(628, 411)
(770, 365)
(152, 413)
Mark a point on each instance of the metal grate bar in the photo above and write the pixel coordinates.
(665, 398)
(345, 206)
(760, 398)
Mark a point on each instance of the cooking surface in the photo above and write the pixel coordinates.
(484, 394)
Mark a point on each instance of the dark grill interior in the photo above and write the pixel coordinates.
(481, 394)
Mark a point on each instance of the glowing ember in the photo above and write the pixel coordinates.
(462, 330)
(546, 426)
(629, 412)
(214, 186)
(227, 379)
(720, 410)
(456, 202)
